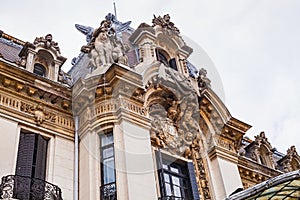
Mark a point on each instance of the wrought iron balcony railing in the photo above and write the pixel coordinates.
(108, 192)
(171, 198)
(26, 188)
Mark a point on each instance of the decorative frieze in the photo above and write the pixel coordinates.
(38, 111)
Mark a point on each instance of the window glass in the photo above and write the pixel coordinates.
(168, 189)
(177, 192)
(166, 177)
(173, 169)
(109, 171)
(108, 152)
(39, 70)
(107, 159)
(174, 180)
(106, 139)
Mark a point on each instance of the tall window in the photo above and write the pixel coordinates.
(177, 179)
(32, 156)
(108, 177)
(31, 165)
(39, 70)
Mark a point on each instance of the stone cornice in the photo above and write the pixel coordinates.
(34, 100)
(249, 164)
(218, 152)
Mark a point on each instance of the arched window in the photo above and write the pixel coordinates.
(39, 70)
(262, 161)
(164, 58)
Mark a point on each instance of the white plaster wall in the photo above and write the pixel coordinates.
(231, 177)
(9, 137)
(216, 179)
(63, 166)
(133, 145)
(89, 167)
(225, 177)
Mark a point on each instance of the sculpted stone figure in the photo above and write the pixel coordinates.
(104, 48)
(165, 23)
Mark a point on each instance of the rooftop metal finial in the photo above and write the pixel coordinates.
(115, 10)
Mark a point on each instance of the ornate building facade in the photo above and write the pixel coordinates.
(132, 119)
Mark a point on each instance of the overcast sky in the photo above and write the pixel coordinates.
(254, 45)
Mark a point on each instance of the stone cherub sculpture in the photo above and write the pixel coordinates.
(104, 48)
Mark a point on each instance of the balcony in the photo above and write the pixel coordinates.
(26, 188)
(171, 198)
(108, 192)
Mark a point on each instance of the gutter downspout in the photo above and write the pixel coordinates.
(76, 159)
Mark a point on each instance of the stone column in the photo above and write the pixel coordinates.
(29, 62)
(224, 172)
(134, 162)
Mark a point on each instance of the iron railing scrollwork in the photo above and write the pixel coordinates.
(27, 188)
(108, 192)
(171, 198)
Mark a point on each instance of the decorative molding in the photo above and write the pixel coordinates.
(165, 23)
(47, 42)
(40, 112)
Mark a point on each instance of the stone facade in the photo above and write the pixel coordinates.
(139, 86)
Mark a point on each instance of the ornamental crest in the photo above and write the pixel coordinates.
(165, 23)
(175, 116)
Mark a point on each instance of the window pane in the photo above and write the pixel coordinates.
(167, 178)
(39, 70)
(173, 169)
(108, 171)
(177, 192)
(109, 152)
(165, 166)
(175, 180)
(168, 189)
(107, 139)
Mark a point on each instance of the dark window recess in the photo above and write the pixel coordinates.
(39, 70)
(177, 179)
(161, 57)
(108, 189)
(172, 63)
(31, 162)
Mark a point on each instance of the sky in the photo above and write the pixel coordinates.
(254, 46)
